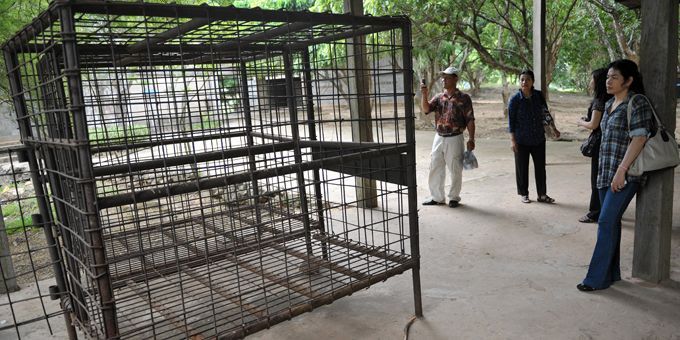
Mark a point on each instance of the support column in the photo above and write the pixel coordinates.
(247, 116)
(311, 127)
(654, 210)
(93, 235)
(291, 100)
(539, 46)
(414, 231)
(359, 103)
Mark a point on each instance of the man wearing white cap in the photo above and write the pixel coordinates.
(453, 114)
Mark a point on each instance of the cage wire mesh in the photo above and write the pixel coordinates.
(26, 254)
(213, 171)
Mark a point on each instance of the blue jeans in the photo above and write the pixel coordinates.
(604, 266)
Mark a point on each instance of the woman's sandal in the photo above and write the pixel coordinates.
(585, 288)
(586, 219)
(545, 199)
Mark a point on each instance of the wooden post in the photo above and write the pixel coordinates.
(654, 211)
(8, 274)
(539, 46)
(359, 103)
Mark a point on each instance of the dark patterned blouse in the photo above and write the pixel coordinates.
(526, 117)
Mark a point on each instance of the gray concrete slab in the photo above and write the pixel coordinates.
(496, 268)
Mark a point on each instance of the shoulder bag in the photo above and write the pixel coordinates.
(660, 150)
(591, 145)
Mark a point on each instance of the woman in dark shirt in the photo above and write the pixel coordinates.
(527, 135)
(622, 142)
(598, 87)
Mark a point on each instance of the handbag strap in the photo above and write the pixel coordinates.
(630, 110)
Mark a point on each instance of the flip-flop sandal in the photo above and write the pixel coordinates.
(545, 199)
(586, 219)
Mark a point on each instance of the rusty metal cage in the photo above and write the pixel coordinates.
(212, 171)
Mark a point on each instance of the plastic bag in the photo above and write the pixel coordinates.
(469, 160)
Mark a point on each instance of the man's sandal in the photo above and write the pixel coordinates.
(545, 199)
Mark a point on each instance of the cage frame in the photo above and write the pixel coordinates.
(64, 11)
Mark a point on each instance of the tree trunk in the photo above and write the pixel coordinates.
(602, 33)
(620, 38)
(505, 93)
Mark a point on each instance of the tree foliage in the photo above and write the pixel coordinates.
(486, 39)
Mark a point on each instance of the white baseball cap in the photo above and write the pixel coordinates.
(450, 71)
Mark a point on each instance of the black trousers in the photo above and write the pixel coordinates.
(537, 153)
(594, 207)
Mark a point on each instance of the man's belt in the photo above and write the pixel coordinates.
(450, 134)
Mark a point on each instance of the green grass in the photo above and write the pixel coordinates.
(12, 211)
(14, 221)
(206, 123)
(18, 225)
(117, 134)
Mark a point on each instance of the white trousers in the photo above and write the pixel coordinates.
(446, 157)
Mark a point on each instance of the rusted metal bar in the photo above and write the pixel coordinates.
(309, 106)
(283, 281)
(277, 279)
(252, 162)
(12, 64)
(295, 132)
(192, 159)
(150, 194)
(177, 320)
(143, 45)
(199, 260)
(227, 13)
(313, 262)
(321, 300)
(371, 251)
(410, 165)
(94, 236)
(167, 101)
(169, 141)
(250, 308)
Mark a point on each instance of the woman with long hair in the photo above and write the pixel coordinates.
(622, 142)
(598, 88)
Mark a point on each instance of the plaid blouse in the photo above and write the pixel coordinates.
(616, 137)
(452, 114)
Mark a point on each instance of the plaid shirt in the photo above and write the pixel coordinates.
(452, 114)
(616, 137)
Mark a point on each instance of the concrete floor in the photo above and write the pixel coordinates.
(496, 268)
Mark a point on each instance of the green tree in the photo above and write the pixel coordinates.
(601, 31)
(15, 15)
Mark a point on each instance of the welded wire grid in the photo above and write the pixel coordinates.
(25, 261)
(224, 164)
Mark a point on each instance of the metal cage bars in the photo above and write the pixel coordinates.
(86, 174)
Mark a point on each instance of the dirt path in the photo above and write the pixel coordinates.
(567, 108)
